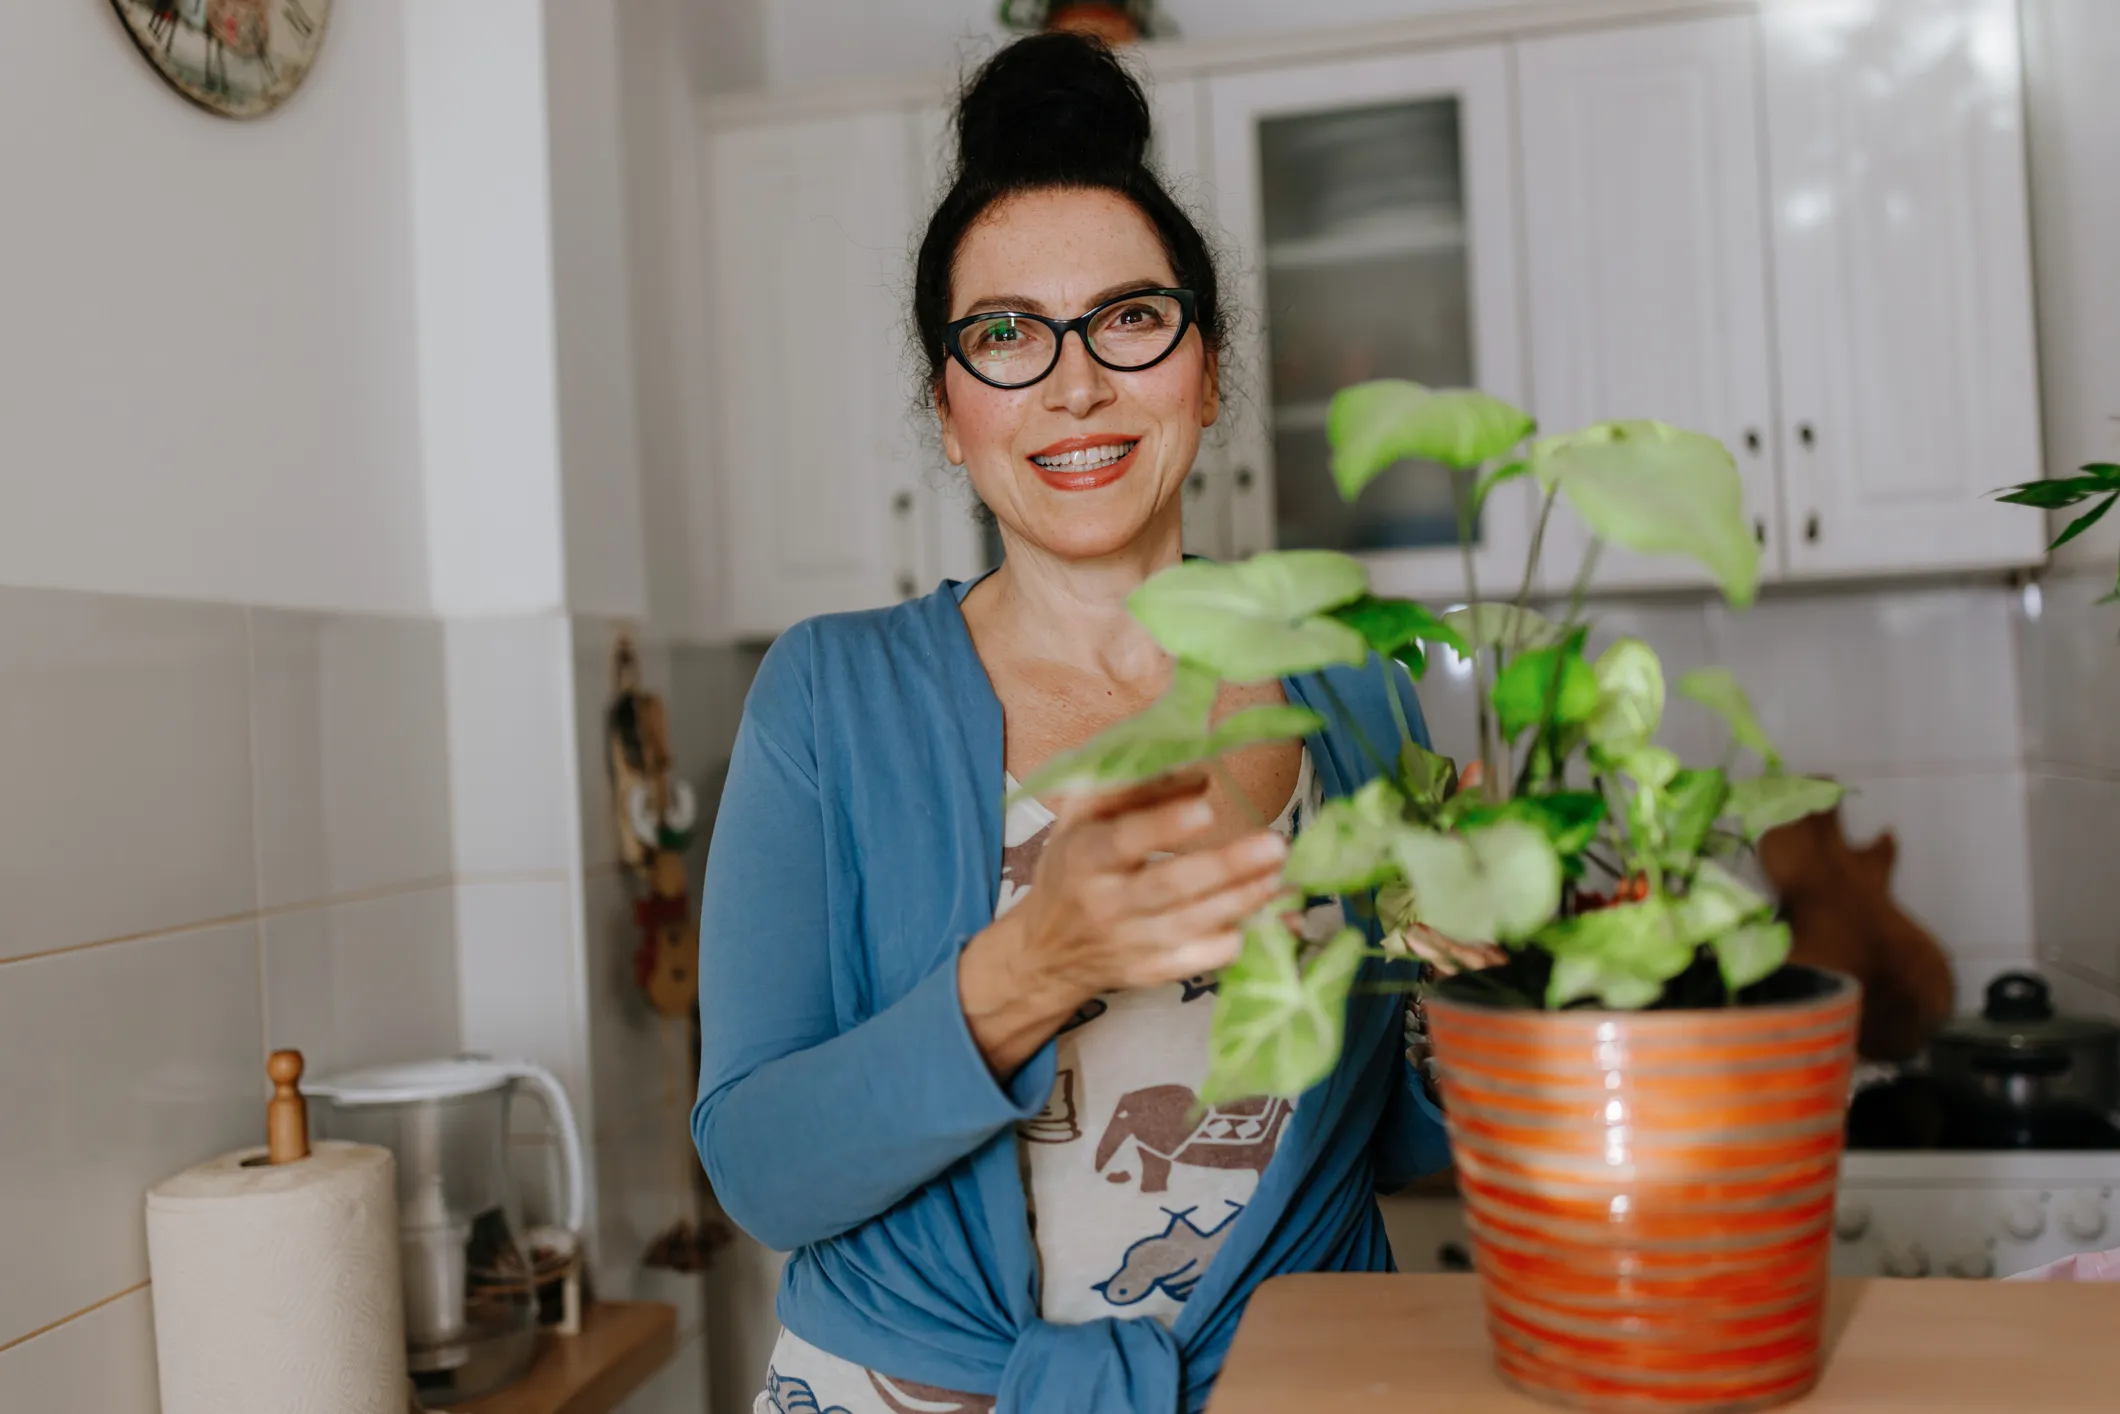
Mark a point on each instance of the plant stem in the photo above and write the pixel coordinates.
(1538, 541)
(1489, 777)
(1582, 581)
(1383, 767)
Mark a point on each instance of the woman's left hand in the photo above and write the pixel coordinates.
(1446, 955)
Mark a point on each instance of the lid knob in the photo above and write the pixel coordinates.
(2018, 996)
(286, 1113)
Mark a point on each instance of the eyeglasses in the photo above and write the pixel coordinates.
(1127, 334)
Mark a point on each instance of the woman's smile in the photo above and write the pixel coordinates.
(1086, 462)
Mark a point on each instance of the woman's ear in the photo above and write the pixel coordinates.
(952, 449)
(1211, 388)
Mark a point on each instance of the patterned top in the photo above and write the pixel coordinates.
(1130, 1191)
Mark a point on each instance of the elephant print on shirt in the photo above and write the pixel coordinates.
(1174, 1259)
(1160, 1120)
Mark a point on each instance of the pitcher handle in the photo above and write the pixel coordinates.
(554, 1097)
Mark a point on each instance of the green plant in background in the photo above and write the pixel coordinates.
(1593, 855)
(2100, 482)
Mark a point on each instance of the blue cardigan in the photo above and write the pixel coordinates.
(845, 1114)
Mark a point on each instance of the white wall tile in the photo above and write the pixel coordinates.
(126, 758)
(99, 1363)
(125, 1063)
(641, 1175)
(364, 983)
(352, 754)
(2075, 842)
(1870, 682)
(741, 1324)
(510, 785)
(630, 1047)
(2070, 673)
(519, 987)
(1962, 869)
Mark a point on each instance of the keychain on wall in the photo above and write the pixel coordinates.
(657, 815)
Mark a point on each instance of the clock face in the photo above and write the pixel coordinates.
(239, 58)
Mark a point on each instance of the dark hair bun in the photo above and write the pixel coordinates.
(1056, 107)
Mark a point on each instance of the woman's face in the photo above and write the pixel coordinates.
(1061, 252)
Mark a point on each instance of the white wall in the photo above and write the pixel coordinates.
(207, 376)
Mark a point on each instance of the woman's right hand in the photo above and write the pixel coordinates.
(1105, 913)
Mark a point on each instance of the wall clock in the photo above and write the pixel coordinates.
(238, 58)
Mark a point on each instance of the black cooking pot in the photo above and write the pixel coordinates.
(2029, 1077)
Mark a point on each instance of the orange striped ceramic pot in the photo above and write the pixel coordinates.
(1650, 1194)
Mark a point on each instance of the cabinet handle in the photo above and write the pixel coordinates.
(1244, 478)
(902, 508)
(1752, 440)
(905, 586)
(902, 504)
(1806, 434)
(1759, 530)
(1194, 485)
(1810, 528)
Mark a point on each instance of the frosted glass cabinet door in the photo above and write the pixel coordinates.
(1645, 240)
(1371, 202)
(1903, 279)
(819, 465)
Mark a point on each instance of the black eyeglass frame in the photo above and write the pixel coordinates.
(953, 336)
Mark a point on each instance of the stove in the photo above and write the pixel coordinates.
(1972, 1213)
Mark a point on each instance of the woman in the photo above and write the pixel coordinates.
(951, 1055)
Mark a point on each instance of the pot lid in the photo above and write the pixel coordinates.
(419, 1080)
(2019, 1015)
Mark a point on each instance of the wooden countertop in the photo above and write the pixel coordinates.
(1315, 1343)
(621, 1346)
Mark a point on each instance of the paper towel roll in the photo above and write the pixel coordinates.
(276, 1286)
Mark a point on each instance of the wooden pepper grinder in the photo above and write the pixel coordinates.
(286, 1113)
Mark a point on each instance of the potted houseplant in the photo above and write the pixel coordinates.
(1646, 1101)
(2099, 481)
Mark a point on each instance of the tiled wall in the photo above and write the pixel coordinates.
(2071, 676)
(1909, 695)
(221, 830)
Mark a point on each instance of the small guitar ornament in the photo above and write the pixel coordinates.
(656, 816)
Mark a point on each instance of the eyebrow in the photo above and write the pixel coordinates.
(1007, 304)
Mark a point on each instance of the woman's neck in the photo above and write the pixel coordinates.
(1074, 611)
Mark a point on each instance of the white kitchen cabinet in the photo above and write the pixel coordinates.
(1372, 204)
(819, 465)
(1646, 253)
(1903, 283)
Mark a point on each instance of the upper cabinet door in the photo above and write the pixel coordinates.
(1372, 205)
(818, 461)
(1645, 244)
(1903, 273)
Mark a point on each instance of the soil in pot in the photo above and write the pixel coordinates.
(1650, 1194)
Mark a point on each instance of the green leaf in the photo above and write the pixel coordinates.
(1655, 489)
(1428, 778)
(1569, 818)
(1348, 846)
(1752, 952)
(1583, 975)
(1278, 1026)
(1717, 690)
(1373, 425)
(1651, 766)
(1494, 884)
(2084, 522)
(1504, 626)
(1171, 732)
(1395, 908)
(1265, 617)
(1493, 477)
(2060, 491)
(1524, 690)
(1691, 803)
(1767, 802)
(1646, 939)
(1630, 682)
(1715, 902)
(1395, 628)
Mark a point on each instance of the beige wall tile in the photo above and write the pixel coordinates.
(102, 1362)
(2075, 823)
(126, 759)
(364, 983)
(1962, 868)
(125, 1064)
(352, 752)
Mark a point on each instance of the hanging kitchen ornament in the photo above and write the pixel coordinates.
(657, 816)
